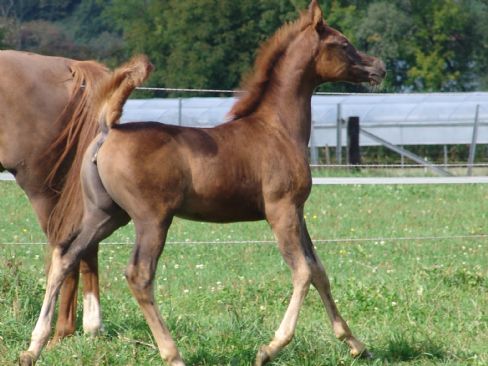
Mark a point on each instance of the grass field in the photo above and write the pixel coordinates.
(414, 302)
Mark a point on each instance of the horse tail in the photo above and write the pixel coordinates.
(66, 151)
(114, 91)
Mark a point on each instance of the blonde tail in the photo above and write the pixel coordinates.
(116, 89)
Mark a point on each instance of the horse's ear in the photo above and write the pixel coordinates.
(316, 15)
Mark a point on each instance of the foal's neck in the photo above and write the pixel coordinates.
(289, 101)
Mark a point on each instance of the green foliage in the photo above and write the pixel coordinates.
(3, 32)
(95, 33)
(427, 46)
(441, 51)
(438, 45)
(26, 10)
(199, 43)
(379, 33)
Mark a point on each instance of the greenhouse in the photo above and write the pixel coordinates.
(401, 119)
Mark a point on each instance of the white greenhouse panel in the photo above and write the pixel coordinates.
(401, 119)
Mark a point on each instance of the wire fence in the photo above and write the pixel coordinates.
(372, 180)
(238, 91)
(396, 166)
(316, 241)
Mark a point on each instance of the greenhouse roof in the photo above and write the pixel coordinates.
(401, 119)
(427, 109)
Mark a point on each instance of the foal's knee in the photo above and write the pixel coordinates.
(139, 280)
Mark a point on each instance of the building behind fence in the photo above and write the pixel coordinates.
(395, 121)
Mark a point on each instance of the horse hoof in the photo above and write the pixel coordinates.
(94, 331)
(27, 359)
(364, 354)
(262, 357)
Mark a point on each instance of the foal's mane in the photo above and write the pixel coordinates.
(270, 53)
(80, 126)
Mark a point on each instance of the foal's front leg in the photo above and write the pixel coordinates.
(59, 269)
(322, 284)
(285, 221)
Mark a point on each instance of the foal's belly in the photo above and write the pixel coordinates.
(223, 210)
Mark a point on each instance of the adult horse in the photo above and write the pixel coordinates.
(46, 124)
(254, 167)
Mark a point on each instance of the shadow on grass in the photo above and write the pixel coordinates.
(402, 349)
(203, 356)
(134, 326)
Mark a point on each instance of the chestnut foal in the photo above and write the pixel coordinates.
(254, 167)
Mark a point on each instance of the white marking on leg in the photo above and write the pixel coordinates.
(41, 332)
(92, 319)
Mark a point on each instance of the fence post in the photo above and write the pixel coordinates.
(446, 156)
(353, 151)
(339, 135)
(472, 148)
(327, 154)
(314, 154)
(180, 111)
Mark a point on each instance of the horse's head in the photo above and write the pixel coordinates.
(336, 58)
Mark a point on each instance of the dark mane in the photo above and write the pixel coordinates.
(270, 53)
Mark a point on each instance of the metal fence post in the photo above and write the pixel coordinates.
(314, 155)
(472, 148)
(339, 135)
(180, 111)
(446, 156)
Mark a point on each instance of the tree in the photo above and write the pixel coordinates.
(380, 33)
(92, 30)
(3, 32)
(427, 46)
(199, 43)
(26, 10)
(442, 46)
(437, 45)
(478, 11)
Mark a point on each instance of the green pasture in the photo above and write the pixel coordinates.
(413, 301)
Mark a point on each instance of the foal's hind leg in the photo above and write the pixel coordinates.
(140, 275)
(285, 221)
(96, 226)
(66, 322)
(43, 205)
(322, 284)
(101, 218)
